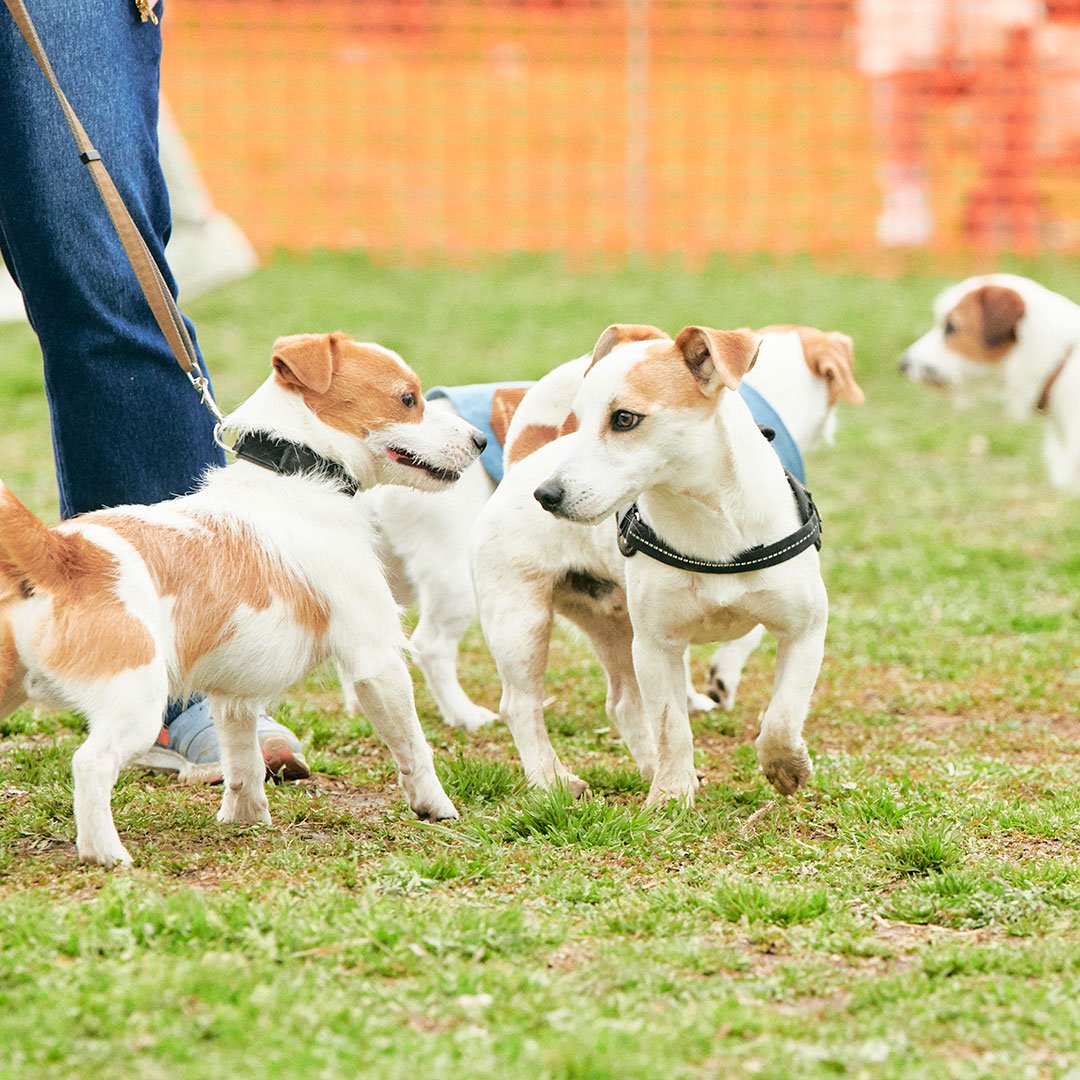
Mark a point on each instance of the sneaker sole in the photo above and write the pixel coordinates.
(282, 762)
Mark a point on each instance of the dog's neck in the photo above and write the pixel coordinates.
(284, 414)
(733, 496)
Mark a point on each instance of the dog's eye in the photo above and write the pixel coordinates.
(623, 420)
(950, 327)
(408, 400)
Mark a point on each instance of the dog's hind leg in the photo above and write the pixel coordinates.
(781, 750)
(387, 699)
(726, 666)
(244, 800)
(124, 716)
(447, 608)
(612, 639)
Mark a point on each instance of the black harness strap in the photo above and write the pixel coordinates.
(635, 536)
(289, 458)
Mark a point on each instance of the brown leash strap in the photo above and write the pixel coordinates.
(166, 313)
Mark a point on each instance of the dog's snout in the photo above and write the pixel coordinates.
(550, 495)
(904, 363)
(479, 439)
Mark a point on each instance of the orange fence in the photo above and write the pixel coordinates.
(449, 129)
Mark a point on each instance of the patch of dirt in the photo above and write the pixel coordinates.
(363, 803)
(569, 957)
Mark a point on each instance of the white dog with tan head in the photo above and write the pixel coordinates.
(1014, 338)
(237, 590)
(721, 540)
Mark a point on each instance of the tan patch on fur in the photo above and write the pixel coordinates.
(620, 334)
(717, 357)
(91, 633)
(504, 403)
(351, 387)
(9, 661)
(241, 573)
(533, 436)
(662, 380)
(830, 355)
(984, 324)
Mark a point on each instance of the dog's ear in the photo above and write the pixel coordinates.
(1001, 309)
(830, 355)
(620, 334)
(306, 361)
(717, 357)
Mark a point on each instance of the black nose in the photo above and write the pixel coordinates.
(904, 363)
(479, 440)
(549, 495)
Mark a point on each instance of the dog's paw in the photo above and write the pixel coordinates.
(576, 786)
(427, 800)
(720, 691)
(671, 788)
(700, 703)
(244, 811)
(472, 719)
(787, 768)
(106, 856)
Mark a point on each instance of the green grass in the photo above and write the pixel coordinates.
(915, 912)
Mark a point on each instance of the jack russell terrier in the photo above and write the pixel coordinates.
(423, 539)
(1021, 339)
(237, 590)
(527, 565)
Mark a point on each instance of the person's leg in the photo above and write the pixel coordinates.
(127, 425)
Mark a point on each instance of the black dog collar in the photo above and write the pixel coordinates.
(289, 458)
(635, 536)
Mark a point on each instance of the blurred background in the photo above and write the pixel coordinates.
(447, 130)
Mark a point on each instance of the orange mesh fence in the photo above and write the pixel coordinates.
(450, 129)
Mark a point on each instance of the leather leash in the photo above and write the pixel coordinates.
(166, 313)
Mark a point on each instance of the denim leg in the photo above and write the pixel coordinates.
(127, 426)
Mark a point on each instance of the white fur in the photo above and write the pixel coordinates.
(1048, 329)
(312, 531)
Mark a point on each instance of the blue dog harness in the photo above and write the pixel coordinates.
(476, 403)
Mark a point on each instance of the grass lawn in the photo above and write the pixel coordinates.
(914, 913)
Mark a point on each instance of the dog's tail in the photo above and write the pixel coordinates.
(33, 556)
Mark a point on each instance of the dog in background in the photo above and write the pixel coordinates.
(1014, 337)
(237, 590)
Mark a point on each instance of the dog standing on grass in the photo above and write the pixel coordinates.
(237, 590)
(1016, 337)
(528, 564)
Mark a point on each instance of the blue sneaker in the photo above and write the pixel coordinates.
(187, 744)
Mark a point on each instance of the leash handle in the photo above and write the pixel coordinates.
(162, 305)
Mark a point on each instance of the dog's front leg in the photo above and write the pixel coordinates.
(781, 750)
(661, 673)
(387, 699)
(244, 771)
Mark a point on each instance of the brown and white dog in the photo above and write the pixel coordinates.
(1015, 337)
(529, 565)
(237, 590)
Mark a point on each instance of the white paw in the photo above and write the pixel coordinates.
(786, 767)
(244, 811)
(673, 787)
(722, 687)
(106, 855)
(700, 703)
(472, 719)
(427, 800)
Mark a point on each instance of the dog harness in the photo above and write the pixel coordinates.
(288, 458)
(490, 407)
(635, 535)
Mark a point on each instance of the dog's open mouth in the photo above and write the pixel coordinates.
(403, 457)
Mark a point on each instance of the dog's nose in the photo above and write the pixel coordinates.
(904, 364)
(549, 495)
(479, 440)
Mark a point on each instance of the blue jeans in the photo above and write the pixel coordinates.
(127, 426)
